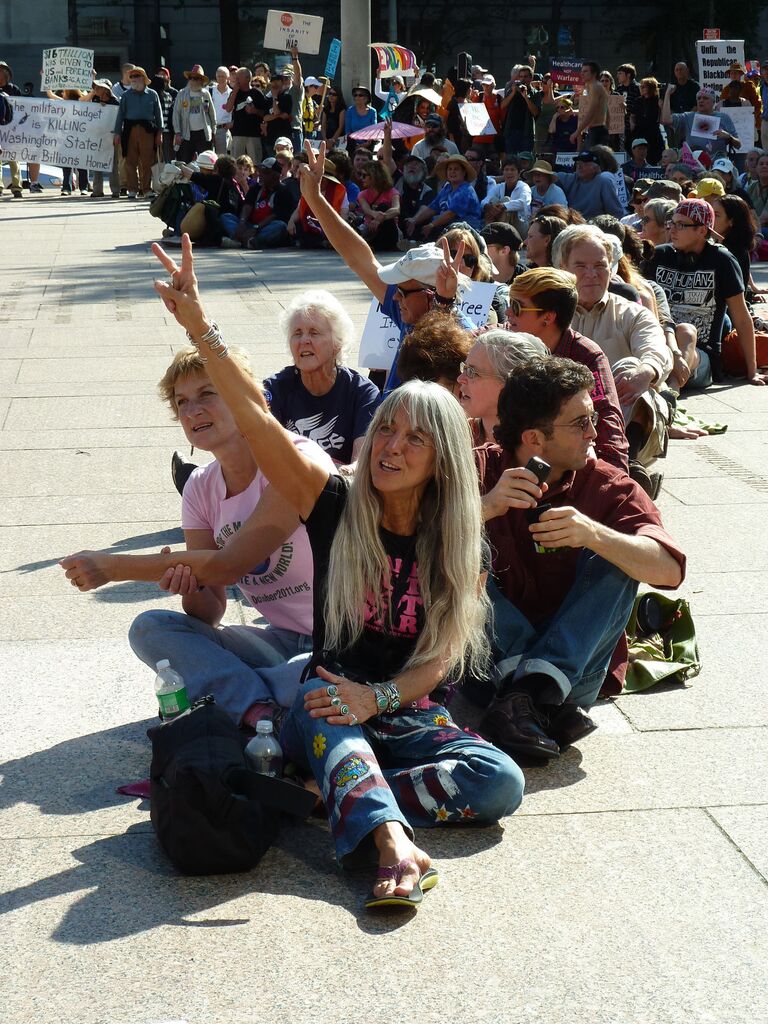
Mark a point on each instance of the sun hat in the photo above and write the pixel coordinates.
(736, 66)
(418, 264)
(541, 167)
(140, 71)
(664, 190)
(196, 71)
(442, 168)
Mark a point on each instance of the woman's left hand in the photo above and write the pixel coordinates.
(181, 296)
(359, 700)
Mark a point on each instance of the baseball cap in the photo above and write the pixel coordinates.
(434, 119)
(499, 233)
(643, 186)
(419, 264)
(270, 164)
(585, 157)
(722, 164)
(709, 187)
(283, 143)
(699, 212)
(488, 80)
(639, 142)
(311, 80)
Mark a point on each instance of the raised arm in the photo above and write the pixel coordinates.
(355, 252)
(299, 480)
(666, 105)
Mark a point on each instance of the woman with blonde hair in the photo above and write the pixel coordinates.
(400, 604)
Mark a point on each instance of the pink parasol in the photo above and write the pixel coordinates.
(400, 130)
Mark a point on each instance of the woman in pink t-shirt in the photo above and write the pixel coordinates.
(238, 530)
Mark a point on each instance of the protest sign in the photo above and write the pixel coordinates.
(67, 67)
(566, 73)
(617, 109)
(687, 158)
(715, 57)
(334, 52)
(381, 336)
(65, 133)
(744, 122)
(621, 188)
(706, 126)
(286, 31)
(564, 161)
(475, 117)
(393, 60)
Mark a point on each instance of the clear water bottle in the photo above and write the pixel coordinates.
(263, 753)
(171, 691)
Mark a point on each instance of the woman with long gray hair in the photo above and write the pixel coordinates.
(400, 604)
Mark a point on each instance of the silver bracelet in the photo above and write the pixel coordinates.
(213, 339)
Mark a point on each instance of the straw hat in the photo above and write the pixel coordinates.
(442, 168)
(140, 71)
(196, 71)
(541, 167)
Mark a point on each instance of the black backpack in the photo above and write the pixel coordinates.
(211, 813)
(6, 110)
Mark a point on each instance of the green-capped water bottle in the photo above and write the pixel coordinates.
(171, 692)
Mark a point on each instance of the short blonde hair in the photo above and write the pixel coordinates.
(186, 363)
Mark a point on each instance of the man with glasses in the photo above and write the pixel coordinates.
(701, 281)
(480, 184)
(567, 558)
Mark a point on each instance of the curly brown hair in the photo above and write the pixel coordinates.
(435, 349)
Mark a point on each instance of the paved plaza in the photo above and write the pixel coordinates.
(631, 886)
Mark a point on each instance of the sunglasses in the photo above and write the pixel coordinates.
(403, 293)
(583, 423)
(468, 371)
(355, 95)
(468, 259)
(517, 308)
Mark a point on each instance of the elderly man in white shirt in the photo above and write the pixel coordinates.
(220, 93)
(632, 339)
(509, 199)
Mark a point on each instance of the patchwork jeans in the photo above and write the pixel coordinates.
(415, 766)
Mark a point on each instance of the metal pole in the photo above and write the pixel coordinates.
(392, 35)
(355, 44)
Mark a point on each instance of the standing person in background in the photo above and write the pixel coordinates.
(630, 90)
(7, 86)
(592, 129)
(546, 103)
(394, 95)
(562, 127)
(644, 119)
(333, 117)
(310, 110)
(220, 93)
(120, 88)
(138, 130)
(519, 112)
(161, 83)
(194, 116)
(295, 86)
(359, 115)
(66, 172)
(279, 114)
(247, 106)
(102, 93)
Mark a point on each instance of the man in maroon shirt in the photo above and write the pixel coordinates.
(542, 303)
(566, 571)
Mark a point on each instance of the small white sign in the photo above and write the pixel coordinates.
(286, 31)
(67, 67)
(381, 336)
(475, 117)
(565, 161)
(706, 126)
(744, 122)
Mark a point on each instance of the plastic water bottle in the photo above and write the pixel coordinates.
(171, 691)
(263, 753)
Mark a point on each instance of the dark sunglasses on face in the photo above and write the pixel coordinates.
(468, 259)
(403, 293)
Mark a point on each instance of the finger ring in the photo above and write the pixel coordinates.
(352, 718)
(332, 690)
(344, 710)
(335, 702)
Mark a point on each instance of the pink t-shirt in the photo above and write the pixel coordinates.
(281, 587)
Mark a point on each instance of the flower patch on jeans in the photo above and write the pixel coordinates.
(319, 743)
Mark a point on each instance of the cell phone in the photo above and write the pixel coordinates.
(539, 468)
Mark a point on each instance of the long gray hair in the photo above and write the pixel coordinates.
(448, 540)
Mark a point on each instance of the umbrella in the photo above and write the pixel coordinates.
(400, 130)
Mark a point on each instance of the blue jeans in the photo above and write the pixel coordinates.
(239, 665)
(416, 767)
(229, 222)
(271, 236)
(575, 646)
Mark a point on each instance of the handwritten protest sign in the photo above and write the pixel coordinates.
(715, 57)
(706, 126)
(564, 161)
(67, 67)
(381, 336)
(64, 133)
(475, 117)
(286, 31)
(617, 108)
(393, 60)
(744, 122)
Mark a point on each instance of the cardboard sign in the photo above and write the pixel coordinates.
(475, 117)
(715, 57)
(286, 31)
(744, 122)
(621, 188)
(334, 52)
(381, 336)
(65, 133)
(617, 109)
(566, 73)
(67, 67)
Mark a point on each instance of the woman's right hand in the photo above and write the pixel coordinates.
(181, 296)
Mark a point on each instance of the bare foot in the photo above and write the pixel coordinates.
(394, 848)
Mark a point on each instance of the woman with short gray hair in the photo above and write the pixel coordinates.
(656, 213)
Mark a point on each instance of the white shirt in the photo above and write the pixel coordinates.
(219, 99)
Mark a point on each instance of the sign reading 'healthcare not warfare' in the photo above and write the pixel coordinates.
(64, 133)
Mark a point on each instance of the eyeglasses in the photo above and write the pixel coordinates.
(403, 293)
(517, 308)
(468, 259)
(680, 225)
(583, 423)
(471, 373)
(355, 95)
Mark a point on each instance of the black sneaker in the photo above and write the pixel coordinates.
(568, 724)
(181, 470)
(515, 725)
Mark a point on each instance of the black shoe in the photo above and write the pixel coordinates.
(568, 724)
(641, 476)
(513, 724)
(181, 470)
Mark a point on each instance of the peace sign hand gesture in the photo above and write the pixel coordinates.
(447, 278)
(312, 172)
(181, 296)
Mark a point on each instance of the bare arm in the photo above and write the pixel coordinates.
(299, 480)
(745, 329)
(355, 252)
(385, 153)
(666, 106)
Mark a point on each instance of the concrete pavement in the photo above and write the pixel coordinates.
(630, 888)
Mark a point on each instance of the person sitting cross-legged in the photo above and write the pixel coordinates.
(567, 558)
